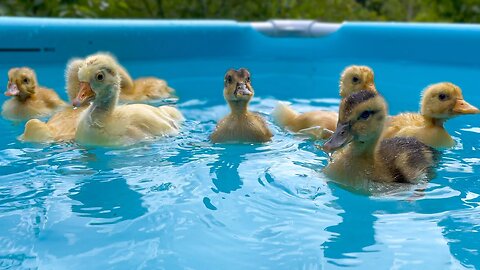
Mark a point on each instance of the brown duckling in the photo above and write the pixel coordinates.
(321, 124)
(439, 103)
(361, 154)
(240, 125)
(28, 99)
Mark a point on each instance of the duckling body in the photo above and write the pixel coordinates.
(240, 125)
(28, 100)
(248, 127)
(148, 88)
(440, 102)
(105, 123)
(321, 124)
(360, 153)
(61, 126)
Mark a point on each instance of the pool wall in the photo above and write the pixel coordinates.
(39, 39)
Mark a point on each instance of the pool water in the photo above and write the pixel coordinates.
(183, 203)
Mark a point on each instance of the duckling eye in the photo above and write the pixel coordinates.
(442, 97)
(229, 79)
(99, 77)
(355, 79)
(248, 79)
(26, 80)
(365, 115)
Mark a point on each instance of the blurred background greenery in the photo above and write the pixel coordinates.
(252, 10)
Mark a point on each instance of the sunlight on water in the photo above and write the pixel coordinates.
(185, 203)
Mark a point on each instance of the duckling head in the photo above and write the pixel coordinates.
(356, 78)
(21, 83)
(445, 100)
(71, 77)
(237, 86)
(361, 119)
(99, 81)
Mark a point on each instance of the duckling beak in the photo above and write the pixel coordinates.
(463, 107)
(85, 95)
(12, 90)
(242, 90)
(340, 138)
(371, 87)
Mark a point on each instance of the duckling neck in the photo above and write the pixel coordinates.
(437, 122)
(238, 107)
(102, 107)
(364, 149)
(22, 97)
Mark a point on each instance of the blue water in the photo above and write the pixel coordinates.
(183, 203)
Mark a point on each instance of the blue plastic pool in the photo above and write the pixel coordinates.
(183, 203)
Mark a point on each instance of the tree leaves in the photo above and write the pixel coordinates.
(251, 10)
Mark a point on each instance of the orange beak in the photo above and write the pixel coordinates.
(85, 95)
(463, 107)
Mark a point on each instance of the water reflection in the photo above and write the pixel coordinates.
(225, 168)
(356, 231)
(107, 196)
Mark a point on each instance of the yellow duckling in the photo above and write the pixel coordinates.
(142, 89)
(363, 155)
(240, 125)
(105, 123)
(321, 124)
(62, 125)
(440, 102)
(28, 100)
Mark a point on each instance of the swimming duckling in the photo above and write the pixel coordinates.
(361, 154)
(62, 125)
(28, 100)
(105, 123)
(440, 102)
(240, 125)
(142, 89)
(321, 124)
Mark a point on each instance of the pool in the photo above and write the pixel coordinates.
(183, 203)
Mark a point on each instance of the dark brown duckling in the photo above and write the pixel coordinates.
(240, 125)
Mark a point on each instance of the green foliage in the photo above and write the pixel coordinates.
(251, 10)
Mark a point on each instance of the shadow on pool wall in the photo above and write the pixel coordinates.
(183, 189)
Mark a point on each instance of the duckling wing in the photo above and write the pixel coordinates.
(144, 121)
(406, 159)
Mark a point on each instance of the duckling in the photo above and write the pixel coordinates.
(148, 88)
(440, 102)
(361, 154)
(105, 123)
(28, 99)
(240, 125)
(142, 89)
(321, 124)
(62, 125)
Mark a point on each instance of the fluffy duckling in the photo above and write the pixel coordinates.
(363, 155)
(440, 102)
(105, 123)
(28, 99)
(142, 89)
(148, 88)
(62, 125)
(240, 125)
(321, 124)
